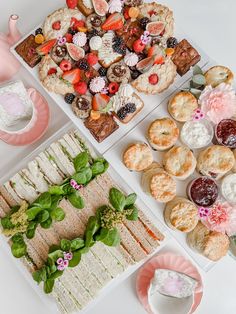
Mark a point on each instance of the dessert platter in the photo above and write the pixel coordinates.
(102, 61)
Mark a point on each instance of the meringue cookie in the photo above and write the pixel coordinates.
(95, 43)
(80, 39)
(131, 59)
(97, 84)
(115, 6)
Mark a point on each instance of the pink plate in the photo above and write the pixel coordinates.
(36, 127)
(167, 261)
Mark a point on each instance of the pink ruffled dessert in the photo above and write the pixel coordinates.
(131, 59)
(80, 39)
(218, 103)
(97, 84)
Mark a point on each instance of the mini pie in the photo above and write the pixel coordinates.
(218, 74)
(163, 133)
(158, 183)
(181, 214)
(179, 162)
(138, 157)
(215, 161)
(182, 105)
(211, 244)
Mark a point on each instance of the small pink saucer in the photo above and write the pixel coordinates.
(169, 261)
(36, 127)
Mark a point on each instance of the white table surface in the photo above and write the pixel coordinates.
(210, 23)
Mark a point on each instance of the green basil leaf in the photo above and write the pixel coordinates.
(33, 212)
(57, 214)
(56, 189)
(55, 255)
(43, 216)
(117, 199)
(54, 248)
(48, 285)
(30, 233)
(75, 259)
(55, 201)
(40, 275)
(84, 250)
(56, 274)
(81, 161)
(76, 200)
(65, 245)
(130, 199)
(112, 238)
(102, 234)
(18, 249)
(97, 168)
(77, 244)
(134, 215)
(6, 223)
(46, 224)
(51, 269)
(80, 177)
(91, 229)
(17, 238)
(44, 200)
(68, 189)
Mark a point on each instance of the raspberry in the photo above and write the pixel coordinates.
(76, 23)
(56, 25)
(113, 87)
(138, 46)
(81, 88)
(153, 79)
(52, 71)
(69, 37)
(71, 4)
(69, 98)
(80, 23)
(92, 59)
(65, 65)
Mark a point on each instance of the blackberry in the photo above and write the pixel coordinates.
(102, 71)
(72, 31)
(86, 48)
(126, 109)
(118, 40)
(135, 74)
(143, 22)
(119, 45)
(82, 64)
(121, 113)
(38, 31)
(130, 107)
(172, 42)
(92, 33)
(69, 98)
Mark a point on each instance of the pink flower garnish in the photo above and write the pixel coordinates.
(60, 261)
(66, 263)
(61, 41)
(68, 256)
(61, 267)
(75, 185)
(221, 218)
(218, 103)
(198, 115)
(203, 212)
(145, 38)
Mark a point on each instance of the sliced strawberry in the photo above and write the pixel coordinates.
(159, 60)
(46, 47)
(56, 25)
(113, 22)
(100, 102)
(52, 71)
(72, 76)
(156, 52)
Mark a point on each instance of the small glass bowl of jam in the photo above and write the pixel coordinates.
(203, 191)
(225, 133)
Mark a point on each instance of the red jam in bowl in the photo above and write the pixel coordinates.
(203, 191)
(225, 133)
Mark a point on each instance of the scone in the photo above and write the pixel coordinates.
(215, 161)
(211, 244)
(138, 157)
(85, 6)
(162, 133)
(158, 183)
(179, 162)
(181, 214)
(218, 74)
(182, 106)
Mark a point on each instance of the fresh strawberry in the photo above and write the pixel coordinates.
(69, 37)
(113, 22)
(113, 87)
(46, 47)
(153, 79)
(138, 46)
(56, 25)
(100, 102)
(76, 23)
(72, 76)
(126, 13)
(157, 52)
(52, 71)
(72, 4)
(92, 59)
(65, 65)
(159, 60)
(81, 88)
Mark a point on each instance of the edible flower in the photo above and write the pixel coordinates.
(218, 103)
(145, 38)
(198, 115)
(61, 41)
(63, 263)
(68, 256)
(221, 218)
(203, 212)
(75, 185)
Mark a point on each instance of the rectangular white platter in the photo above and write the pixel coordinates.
(150, 101)
(49, 302)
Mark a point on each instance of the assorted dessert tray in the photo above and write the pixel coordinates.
(155, 109)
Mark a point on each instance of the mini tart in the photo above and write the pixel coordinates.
(215, 161)
(82, 106)
(179, 162)
(181, 214)
(211, 244)
(182, 106)
(63, 16)
(162, 133)
(218, 74)
(138, 157)
(158, 183)
(138, 102)
(119, 72)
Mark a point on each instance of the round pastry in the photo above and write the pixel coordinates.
(215, 161)
(225, 133)
(138, 157)
(158, 183)
(119, 72)
(82, 106)
(182, 106)
(228, 188)
(211, 244)
(181, 214)
(59, 53)
(218, 74)
(203, 191)
(179, 162)
(162, 133)
(95, 21)
(63, 18)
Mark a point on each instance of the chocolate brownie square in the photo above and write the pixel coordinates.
(185, 56)
(102, 127)
(27, 50)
